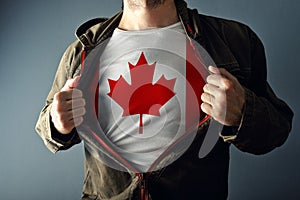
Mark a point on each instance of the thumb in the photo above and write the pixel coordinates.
(214, 70)
(222, 72)
(71, 83)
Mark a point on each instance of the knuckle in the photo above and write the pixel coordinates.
(203, 96)
(209, 78)
(227, 84)
(58, 96)
(206, 87)
(68, 105)
(206, 108)
(66, 126)
(78, 121)
(83, 102)
(203, 107)
(60, 107)
(80, 93)
(78, 103)
(77, 92)
(83, 111)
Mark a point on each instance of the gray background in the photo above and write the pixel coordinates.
(34, 34)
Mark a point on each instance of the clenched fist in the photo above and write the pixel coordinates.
(223, 97)
(68, 107)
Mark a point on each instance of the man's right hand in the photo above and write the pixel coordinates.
(68, 107)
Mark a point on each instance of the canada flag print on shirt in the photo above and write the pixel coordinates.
(149, 92)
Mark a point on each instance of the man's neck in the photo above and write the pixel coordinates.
(142, 17)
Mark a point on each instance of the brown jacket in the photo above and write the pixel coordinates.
(265, 126)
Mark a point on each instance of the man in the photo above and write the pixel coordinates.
(236, 95)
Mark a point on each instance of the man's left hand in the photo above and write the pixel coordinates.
(223, 97)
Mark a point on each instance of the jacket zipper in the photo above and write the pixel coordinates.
(143, 178)
(83, 55)
(143, 186)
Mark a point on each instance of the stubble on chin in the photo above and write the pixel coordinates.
(151, 4)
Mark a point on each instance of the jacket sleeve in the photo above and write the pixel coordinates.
(266, 120)
(44, 127)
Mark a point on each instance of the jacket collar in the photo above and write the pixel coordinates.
(95, 31)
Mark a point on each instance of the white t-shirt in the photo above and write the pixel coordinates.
(143, 137)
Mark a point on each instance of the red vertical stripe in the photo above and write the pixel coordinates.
(196, 73)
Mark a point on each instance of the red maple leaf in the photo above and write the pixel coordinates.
(141, 96)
